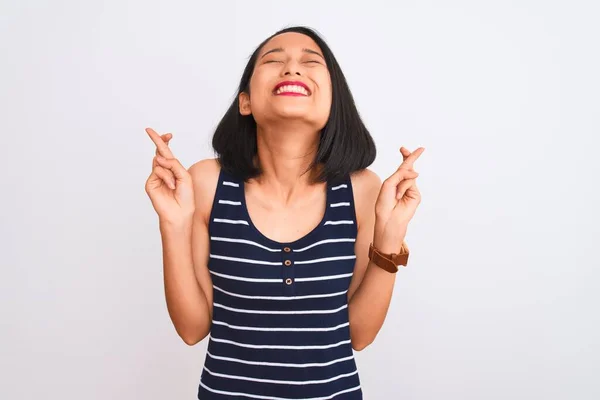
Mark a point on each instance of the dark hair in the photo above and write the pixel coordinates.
(345, 143)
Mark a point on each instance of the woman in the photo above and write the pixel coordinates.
(281, 248)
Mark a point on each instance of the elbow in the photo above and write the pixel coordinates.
(361, 336)
(192, 338)
(360, 344)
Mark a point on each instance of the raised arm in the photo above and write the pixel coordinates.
(383, 213)
(182, 199)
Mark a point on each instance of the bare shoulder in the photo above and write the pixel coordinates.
(205, 169)
(364, 182)
(205, 177)
(365, 185)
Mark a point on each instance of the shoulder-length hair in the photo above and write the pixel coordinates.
(345, 144)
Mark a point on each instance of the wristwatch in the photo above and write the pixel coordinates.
(389, 262)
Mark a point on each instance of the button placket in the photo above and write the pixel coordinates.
(288, 269)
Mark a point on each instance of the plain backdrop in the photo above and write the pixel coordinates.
(501, 297)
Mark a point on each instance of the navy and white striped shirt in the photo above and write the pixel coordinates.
(280, 326)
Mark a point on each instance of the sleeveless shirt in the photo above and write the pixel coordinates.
(280, 327)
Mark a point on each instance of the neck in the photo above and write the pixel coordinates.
(284, 153)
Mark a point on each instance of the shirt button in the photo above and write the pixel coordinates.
(288, 281)
(287, 249)
(287, 263)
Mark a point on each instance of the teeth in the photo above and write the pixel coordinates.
(292, 89)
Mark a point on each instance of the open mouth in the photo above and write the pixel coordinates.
(290, 88)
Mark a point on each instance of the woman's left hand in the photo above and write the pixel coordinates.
(396, 204)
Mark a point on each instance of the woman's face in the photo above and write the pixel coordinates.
(290, 81)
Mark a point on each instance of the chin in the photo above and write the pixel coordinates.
(294, 113)
(298, 111)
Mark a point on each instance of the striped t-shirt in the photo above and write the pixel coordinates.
(280, 326)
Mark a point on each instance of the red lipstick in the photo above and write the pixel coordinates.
(291, 83)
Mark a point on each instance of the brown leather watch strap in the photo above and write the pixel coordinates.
(389, 262)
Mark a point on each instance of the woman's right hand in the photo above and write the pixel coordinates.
(169, 186)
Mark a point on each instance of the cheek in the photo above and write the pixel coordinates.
(260, 90)
(326, 94)
(259, 81)
(325, 87)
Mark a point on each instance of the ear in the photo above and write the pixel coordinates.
(244, 104)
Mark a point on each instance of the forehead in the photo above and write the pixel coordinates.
(290, 41)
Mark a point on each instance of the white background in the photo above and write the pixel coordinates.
(500, 299)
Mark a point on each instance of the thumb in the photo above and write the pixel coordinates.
(174, 166)
(400, 175)
(387, 194)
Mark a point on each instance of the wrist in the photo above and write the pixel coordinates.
(387, 247)
(183, 225)
(388, 243)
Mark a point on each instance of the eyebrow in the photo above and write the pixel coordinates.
(280, 50)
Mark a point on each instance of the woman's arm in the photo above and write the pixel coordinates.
(382, 218)
(188, 287)
(371, 288)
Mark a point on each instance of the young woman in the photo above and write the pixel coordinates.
(284, 247)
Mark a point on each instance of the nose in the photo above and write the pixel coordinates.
(292, 68)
